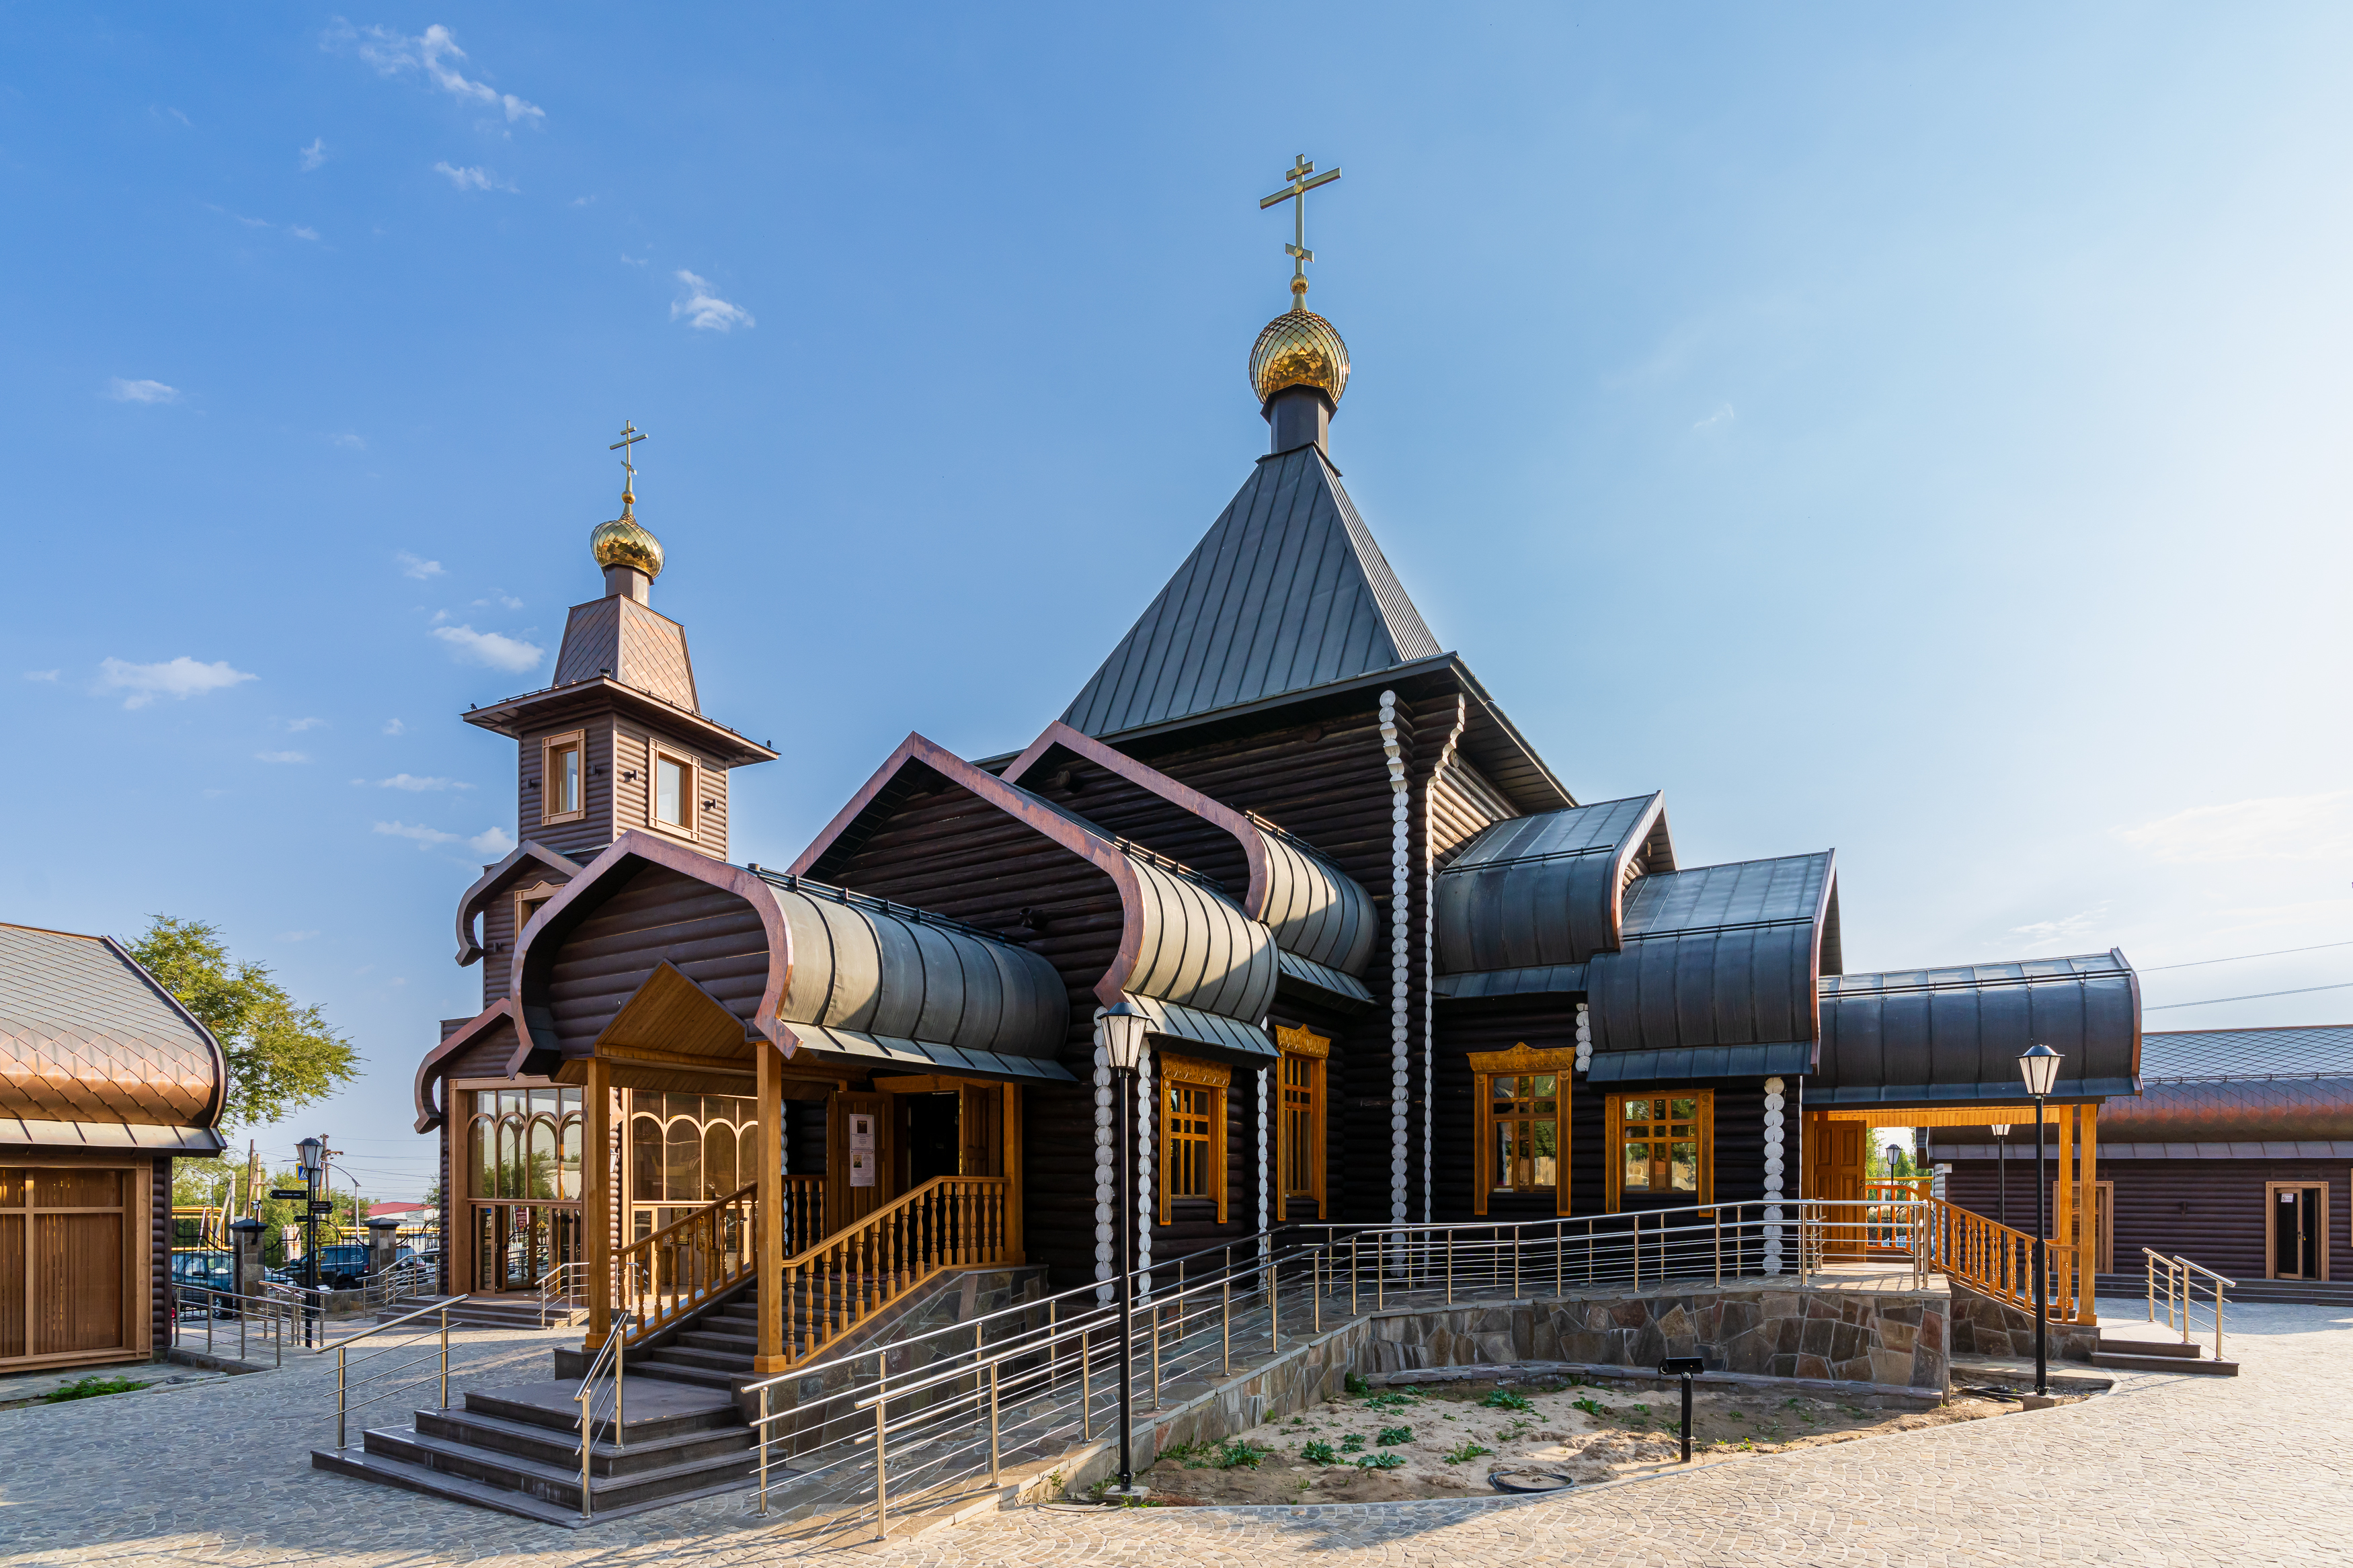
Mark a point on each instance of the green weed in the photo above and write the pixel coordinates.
(1381, 1462)
(1462, 1453)
(1318, 1453)
(1392, 1435)
(90, 1388)
(1504, 1399)
(1352, 1442)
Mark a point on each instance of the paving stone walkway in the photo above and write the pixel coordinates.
(2166, 1470)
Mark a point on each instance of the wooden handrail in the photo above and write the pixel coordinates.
(661, 1278)
(1993, 1258)
(949, 1222)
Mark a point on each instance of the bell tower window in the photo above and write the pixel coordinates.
(562, 777)
(674, 793)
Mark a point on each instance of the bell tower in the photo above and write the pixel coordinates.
(617, 739)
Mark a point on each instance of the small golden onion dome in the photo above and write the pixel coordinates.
(1299, 348)
(624, 542)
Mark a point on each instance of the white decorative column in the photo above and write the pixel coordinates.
(1265, 1125)
(1146, 1140)
(1775, 1125)
(1106, 1177)
(1584, 1040)
(1400, 957)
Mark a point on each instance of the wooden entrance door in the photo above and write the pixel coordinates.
(73, 1278)
(859, 1160)
(2103, 1258)
(1836, 1155)
(2297, 1244)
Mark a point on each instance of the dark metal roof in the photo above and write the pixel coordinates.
(636, 646)
(1542, 890)
(1716, 956)
(869, 967)
(1934, 1037)
(2309, 1048)
(1287, 591)
(88, 1037)
(2238, 1109)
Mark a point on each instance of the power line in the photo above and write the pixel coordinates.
(2276, 952)
(2211, 1001)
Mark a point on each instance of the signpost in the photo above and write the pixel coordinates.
(1683, 1366)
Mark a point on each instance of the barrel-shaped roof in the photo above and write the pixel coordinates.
(1953, 1036)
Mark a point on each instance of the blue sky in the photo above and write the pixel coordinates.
(1921, 435)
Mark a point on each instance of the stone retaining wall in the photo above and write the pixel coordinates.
(1985, 1326)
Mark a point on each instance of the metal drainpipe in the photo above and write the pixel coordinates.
(1429, 940)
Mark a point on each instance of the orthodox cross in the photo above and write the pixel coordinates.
(1304, 179)
(630, 436)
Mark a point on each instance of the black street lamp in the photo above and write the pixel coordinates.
(2001, 1130)
(1120, 1029)
(310, 1157)
(2040, 1068)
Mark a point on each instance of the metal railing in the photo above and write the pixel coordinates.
(263, 1317)
(929, 1412)
(379, 1379)
(2173, 1282)
(613, 1352)
(566, 1283)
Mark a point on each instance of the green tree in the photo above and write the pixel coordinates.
(282, 1056)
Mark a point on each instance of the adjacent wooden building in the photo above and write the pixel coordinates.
(104, 1079)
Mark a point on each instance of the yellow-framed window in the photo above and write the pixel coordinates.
(1522, 1130)
(1298, 1112)
(1192, 1133)
(1662, 1145)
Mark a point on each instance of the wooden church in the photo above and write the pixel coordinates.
(1394, 969)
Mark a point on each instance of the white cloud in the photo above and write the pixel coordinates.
(628, 261)
(296, 935)
(182, 678)
(395, 726)
(507, 601)
(411, 783)
(296, 726)
(43, 674)
(424, 837)
(417, 566)
(302, 231)
(123, 391)
(280, 757)
(1723, 416)
(2275, 828)
(473, 177)
(314, 154)
(435, 53)
(493, 649)
(491, 841)
(704, 311)
(2061, 933)
(348, 442)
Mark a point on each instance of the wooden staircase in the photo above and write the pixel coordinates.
(1995, 1260)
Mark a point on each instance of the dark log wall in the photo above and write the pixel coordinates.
(715, 938)
(499, 931)
(1454, 1131)
(1328, 783)
(633, 797)
(2212, 1212)
(159, 1258)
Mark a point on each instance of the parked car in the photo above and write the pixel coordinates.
(343, 1266)
(205, 1270)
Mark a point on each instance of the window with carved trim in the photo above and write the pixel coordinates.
(1192, 1132)
(1659, 1146)
(1523, 1099)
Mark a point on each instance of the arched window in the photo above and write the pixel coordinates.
(718, 1161)
(645, 1159)
(541, 1183)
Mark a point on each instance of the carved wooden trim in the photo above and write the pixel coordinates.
(1188, 1069)
(1303, 1041)
(1521, 1058)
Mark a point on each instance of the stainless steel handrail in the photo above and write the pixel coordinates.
(614, 1348)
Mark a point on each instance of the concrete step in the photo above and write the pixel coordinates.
(676, 1372)
(707, 1339)
(666, 1409)
(560, 1483)
(548, 1446)
(736, 1362)
(2147, 1347)
(2165, 1363)
(475, 1314)
(385, 1471)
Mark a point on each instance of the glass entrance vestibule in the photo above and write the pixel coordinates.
(524, 1189)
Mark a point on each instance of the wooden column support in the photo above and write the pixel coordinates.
(597, 1197)
(768, 1223)
(1011, 1171)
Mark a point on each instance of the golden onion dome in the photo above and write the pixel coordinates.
(1299, 348)
(624, 542)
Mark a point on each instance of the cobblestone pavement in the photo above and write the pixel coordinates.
(2166, 1470)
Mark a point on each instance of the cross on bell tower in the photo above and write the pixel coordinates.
(1304, 179)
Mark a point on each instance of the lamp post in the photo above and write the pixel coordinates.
(311, 1156)
(2001, 1130)
(2039, 1067)
(1119, 1029)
